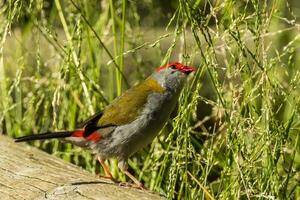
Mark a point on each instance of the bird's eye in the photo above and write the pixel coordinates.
(173, 67)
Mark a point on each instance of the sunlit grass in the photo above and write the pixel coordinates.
(235, 134)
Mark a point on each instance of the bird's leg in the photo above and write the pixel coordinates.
(124, 168)
(106, 169)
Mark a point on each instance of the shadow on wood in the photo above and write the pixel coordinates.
(28, 173)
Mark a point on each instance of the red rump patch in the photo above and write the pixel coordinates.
(78, 133)
(94, 137)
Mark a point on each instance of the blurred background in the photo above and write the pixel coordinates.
(235, 133)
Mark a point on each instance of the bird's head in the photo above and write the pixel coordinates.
(172, 75)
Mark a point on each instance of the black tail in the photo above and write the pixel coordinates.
(43, 136)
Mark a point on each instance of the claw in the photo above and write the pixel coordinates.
(123, 166)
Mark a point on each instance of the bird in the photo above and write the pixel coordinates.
(130, 122)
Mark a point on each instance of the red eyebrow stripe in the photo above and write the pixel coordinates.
(178, 65)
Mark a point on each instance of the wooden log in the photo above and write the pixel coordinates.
(28, 173)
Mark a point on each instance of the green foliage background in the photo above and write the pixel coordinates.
(236, 132)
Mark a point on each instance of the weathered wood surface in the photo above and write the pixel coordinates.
(28, 173)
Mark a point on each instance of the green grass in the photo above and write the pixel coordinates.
(235, 134)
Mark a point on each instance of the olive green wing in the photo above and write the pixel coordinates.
(130, 104)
